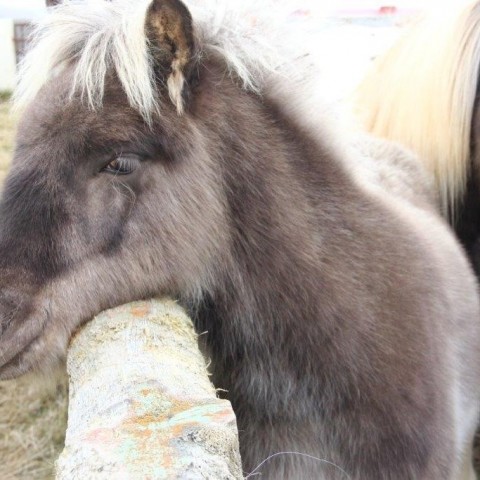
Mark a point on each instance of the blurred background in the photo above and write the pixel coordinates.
(372, 26)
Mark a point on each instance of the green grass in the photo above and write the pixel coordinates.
(5, 95)
(32, 413)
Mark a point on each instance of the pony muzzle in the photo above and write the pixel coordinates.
(21, 326)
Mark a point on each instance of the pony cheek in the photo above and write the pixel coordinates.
(102, 226)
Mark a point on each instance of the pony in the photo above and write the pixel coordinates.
(423, 93)
(171, 148)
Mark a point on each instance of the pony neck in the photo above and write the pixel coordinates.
(285, 188)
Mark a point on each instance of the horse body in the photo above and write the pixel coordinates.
(340, 317)
(423, 93)
(467, 224)
(332, 259)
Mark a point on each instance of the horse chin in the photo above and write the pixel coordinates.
(15, 368)
(29, 361)
(44, 354)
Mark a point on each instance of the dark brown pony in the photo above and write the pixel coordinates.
(423, 93)
(162, 151)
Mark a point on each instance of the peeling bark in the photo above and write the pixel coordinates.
(141, 404)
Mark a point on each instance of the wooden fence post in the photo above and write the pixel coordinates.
(141, 404)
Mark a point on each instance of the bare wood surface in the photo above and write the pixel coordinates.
(141, 404)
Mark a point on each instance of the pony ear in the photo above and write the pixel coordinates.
(169, 30)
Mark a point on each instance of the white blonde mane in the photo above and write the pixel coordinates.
(422, 92)
(96, 36)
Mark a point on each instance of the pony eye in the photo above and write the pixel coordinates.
(122, 165)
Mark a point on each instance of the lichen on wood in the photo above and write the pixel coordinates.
(141, 404)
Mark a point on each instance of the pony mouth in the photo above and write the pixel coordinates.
(12, 361)
(17, 365)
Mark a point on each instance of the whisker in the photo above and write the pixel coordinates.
(255, 471)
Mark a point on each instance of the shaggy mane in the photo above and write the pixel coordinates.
(99, 35)
(422, 93)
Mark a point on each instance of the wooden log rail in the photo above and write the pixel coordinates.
(141, 404)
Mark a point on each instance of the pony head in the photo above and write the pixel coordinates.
(134, 114)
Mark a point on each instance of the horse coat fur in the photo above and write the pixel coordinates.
(340, 316)
(433, 110)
